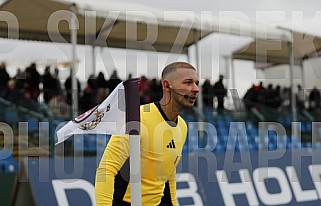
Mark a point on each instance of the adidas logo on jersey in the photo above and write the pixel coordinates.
(171, 144)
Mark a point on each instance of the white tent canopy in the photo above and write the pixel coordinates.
(277, 51)
(100, 23)
(157, 30)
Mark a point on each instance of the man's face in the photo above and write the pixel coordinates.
(185, 82)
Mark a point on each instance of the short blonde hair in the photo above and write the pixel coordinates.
(174, 66)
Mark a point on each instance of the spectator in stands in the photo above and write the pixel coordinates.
(314, 99)
(220, 92)
(4, 79)
(208, 94)
(20, 74)
(247, 99)
(101, 81)
(262, 94)
(68, 87)
(56, 77)
(130, 76)
(277, 96)
(20, 78)
(59, 107)
(87, 100)
(32, 82)
(261, 86)
(56, 73)
(250, 98)
(113, 81)
(15, 95)
(285, 97)
(49, 85)
(300, 104)
(269, 97)
(156, 88)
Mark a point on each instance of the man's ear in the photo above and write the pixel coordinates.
(166, 84)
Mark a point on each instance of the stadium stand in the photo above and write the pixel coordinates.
(27, 134)
(208, 130)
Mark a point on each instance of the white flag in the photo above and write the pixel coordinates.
(107, 118)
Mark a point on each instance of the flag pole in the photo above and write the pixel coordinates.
(133, 129)
(74, 83)
(132, 120)
(135, 170)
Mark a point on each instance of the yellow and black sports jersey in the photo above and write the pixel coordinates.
(161, 147)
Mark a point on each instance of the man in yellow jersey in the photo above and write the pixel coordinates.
(163, 134)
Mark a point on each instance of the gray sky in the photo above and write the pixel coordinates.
(297, 14)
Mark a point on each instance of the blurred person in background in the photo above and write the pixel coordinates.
(300, 100)
(314, 100)
(113, 81)
(32, 82)
(49, 85)
(68, 88)
(220, 92)
(208, 94)
(4, 79)
(87, 100)
(59, 107)
(101, 81)
(15, 95)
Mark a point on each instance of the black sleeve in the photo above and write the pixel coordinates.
(166, 199)
(121, 184)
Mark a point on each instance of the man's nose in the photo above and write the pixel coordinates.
(195, 88)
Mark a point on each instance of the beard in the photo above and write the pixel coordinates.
(182, 103)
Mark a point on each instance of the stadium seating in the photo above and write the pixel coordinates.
(7, 163)
(225, 131)
(12, 117)
(227, 137)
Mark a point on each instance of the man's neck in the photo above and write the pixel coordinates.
(170, 112)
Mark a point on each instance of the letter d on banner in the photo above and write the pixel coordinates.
(60, 185)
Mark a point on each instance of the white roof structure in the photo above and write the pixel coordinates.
(276, 52)
(100, 23)
(118, 24)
